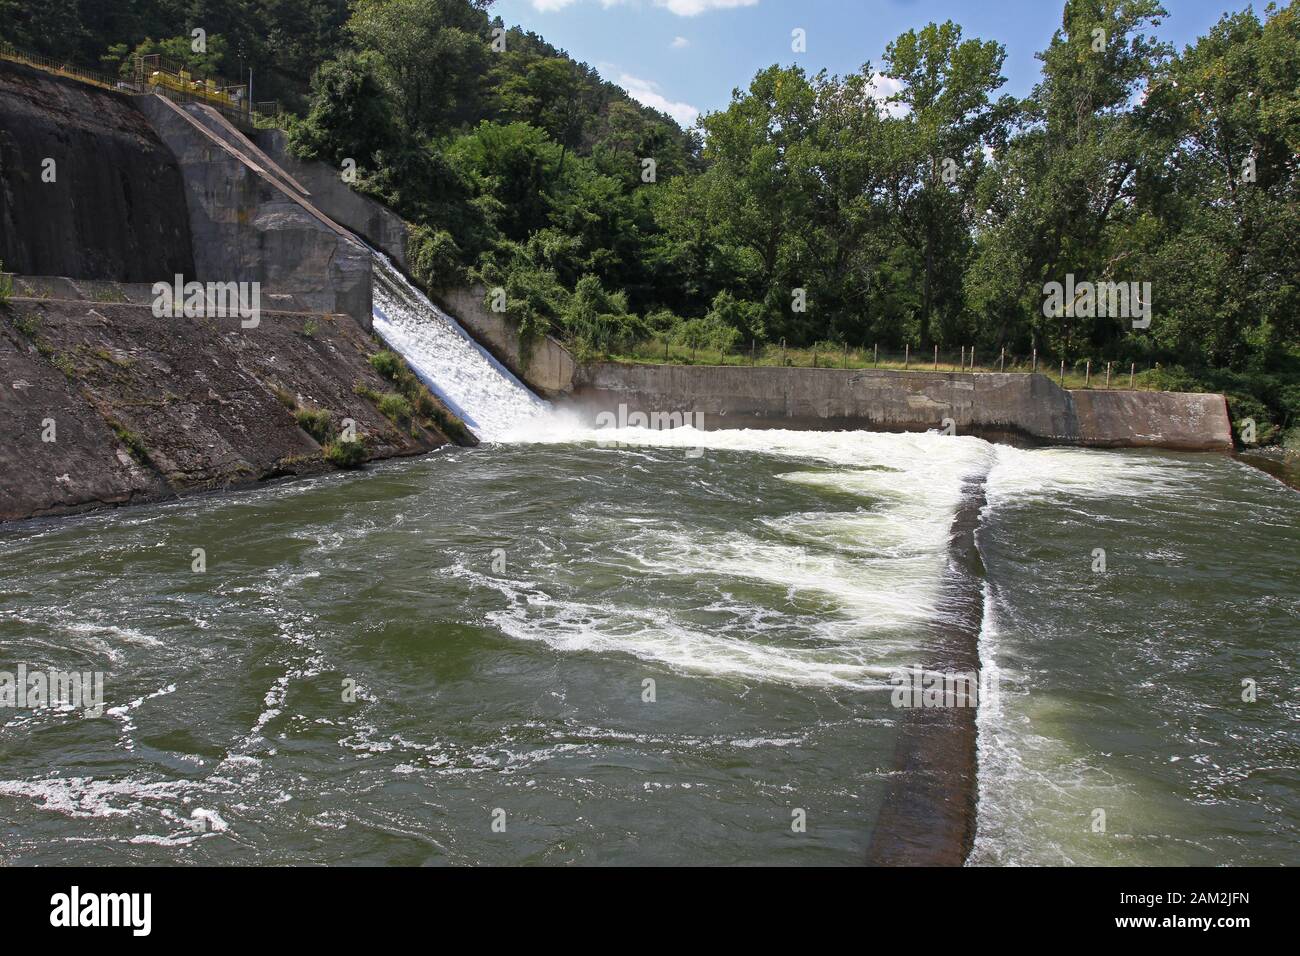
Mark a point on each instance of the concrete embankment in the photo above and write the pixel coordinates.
(106, 400)
(988, 404)
(106, 404)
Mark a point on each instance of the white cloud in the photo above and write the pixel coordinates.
(647, 94)
(693, 8)
(680, 43)
(550, 6)
(884, 86)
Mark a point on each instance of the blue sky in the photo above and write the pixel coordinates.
(686, 56)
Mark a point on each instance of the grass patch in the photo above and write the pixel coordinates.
(412, 399)
(345, 454)
(315, 422)
(29, 324)
(388, 364)
(133, 442)
(395, 407)
(64, 364)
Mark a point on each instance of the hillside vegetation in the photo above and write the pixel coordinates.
(813, 209)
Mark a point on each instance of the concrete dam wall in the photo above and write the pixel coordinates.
(115, 208)
(991, 405)
(375, 222)
(251, 223)
(108, 403)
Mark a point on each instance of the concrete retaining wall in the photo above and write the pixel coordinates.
(992, 405)
(249, 226)
(376, 223)
(550, 369)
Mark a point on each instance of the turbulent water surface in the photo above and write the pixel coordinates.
(500, 612)
(474, 385)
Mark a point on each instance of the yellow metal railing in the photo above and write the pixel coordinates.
(153, 75)
(59, 67)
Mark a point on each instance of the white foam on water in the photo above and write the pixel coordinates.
(473, 384)
(1020, 474)
(874, 574)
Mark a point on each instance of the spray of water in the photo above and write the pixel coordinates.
(473, 384)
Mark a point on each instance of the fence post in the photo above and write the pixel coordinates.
(1035, 366)
(1108, 376)
(907, 355)
(1087, 375)
(1132, 370)
(814, 356)
(936, 358)
(783, 353)
(665, 351)
(752, 344)
(1062, 373)
(972, 358)
(963, 358)
(1002, 360)
(875, 355)
(845, 363)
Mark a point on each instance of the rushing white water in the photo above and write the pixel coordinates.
(473, 384)
(862, 574)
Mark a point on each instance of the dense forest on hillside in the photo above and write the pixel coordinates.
(813, 208)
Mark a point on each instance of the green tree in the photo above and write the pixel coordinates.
(935, 154)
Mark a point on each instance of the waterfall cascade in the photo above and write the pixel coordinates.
(485, 394)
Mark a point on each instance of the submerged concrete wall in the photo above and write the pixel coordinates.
(992, 405)
(115, 208)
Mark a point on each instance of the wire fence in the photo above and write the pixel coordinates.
(1078, 373)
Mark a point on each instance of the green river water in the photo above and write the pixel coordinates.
(500, 610)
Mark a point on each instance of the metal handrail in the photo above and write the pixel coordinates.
(140, 86)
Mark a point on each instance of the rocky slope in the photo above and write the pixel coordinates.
(115, 208)
(105, 404)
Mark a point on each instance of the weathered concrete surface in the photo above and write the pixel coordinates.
(550, 369)
(928, 815)
(991, 405)
(1109, 419)
(376, 223)
(248, 226)
(116, 208)
(133, 293)
(145, 408)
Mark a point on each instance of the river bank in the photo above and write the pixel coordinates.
(107, 410)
